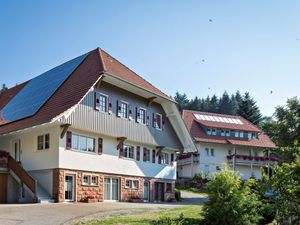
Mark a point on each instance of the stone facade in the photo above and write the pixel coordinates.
(126, 194)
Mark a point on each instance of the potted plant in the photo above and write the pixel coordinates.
(90, 199)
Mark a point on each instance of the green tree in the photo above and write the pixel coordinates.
(230, 202)
(225, 104)
(214, 104)
(3, 88)
(249, 110)
(286, 183)
(182, 101)
(195, 104)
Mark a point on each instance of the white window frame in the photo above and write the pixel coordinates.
(237, 134)
(223, 133)
(94, 183)
(148, 150)
(165, 158)
(130, 184)
(214, 131)
(227, 133)
(209, 131)
(127, 153)
(241, 135)
(145, 117)
(106, 102)
(88, 181)
(77, 148)
(127, 112)
(43, 142)
(212, 152)
(158, 115)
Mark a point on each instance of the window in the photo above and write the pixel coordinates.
(132, 184)
(129, 151)
(227, 133)
(222, 132)
(241, 134)
(158, 121)
(207, 151)
(86, 180)
(208, 131)
(94, 180)
(236, 134)
(124, 110)
(43, 142)
(214, 132)
(147, 155)
(165, 158)
(229, 152)
(82, 143)
(254, 136)
(102, 103)
(169, 187)
(142, 116)
(212, 152)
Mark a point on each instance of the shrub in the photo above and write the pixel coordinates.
(177, 195)
(168, 221)
(230, 202)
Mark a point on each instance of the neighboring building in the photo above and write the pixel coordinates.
(224, 139)
(89, 128)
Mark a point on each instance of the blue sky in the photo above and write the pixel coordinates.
(248, 46)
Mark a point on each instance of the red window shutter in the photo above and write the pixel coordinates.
(69, 140)
(100, 146)
(109, 103)
(159, 158)
(153, 156)
(137, 116)
(121, 153)
(147, 118)
(129, 111)
(96, 101)
(144, 154)
(138, 149)
(153, 120)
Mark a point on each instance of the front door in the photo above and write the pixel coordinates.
(17, 150)
(111, 189)
(159, 191)
(69, 188)
(3, 187)
(146, 191)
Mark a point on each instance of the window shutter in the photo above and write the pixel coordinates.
(118, 109)
(147, 118)
(153, 156)
(159, 158)
(144, 154)
(97, 101)
(138, 149)
(137, 116)
(163, 122)
(121, 152)
(69, 140)
(130, 112)
(172, 158)
(100, 144)
(109, 104)
(153, 120)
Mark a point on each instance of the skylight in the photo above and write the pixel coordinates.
(219, 119)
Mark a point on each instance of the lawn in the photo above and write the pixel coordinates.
(142, 217)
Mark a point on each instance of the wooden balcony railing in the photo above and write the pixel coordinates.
(254, 160)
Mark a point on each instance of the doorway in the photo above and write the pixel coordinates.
(69, 188)
(17, 150)
(111, 189)
(146, 192)
(159, 191)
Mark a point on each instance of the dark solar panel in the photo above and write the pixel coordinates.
(38, 90)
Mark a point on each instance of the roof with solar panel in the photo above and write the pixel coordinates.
(224, 129)
(50, 94)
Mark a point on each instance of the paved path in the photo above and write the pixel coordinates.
(66, 213)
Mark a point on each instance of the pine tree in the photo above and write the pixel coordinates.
(214, 104)
(182, 101)
(249, 110)
(225, 104)
(195, 104)
(4, 88)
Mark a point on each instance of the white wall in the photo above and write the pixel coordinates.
(44, 178)
(109, 161)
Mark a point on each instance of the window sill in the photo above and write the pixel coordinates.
(86, 152)
(90, 185)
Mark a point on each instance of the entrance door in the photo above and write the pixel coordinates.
(159, 191)
(3, 188)
(146, 191)
(69, 188)
(111, 189)
(17, 151)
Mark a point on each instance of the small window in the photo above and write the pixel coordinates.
(229, 152)
(132, 184)
(208, 131)
(158, 121)
(135, 184)
(142, 116)
(147, 155)
(222, 132)
(43, 142)
(241, 134)
(86, 180)
(129, 151)
(165, 158)
(169, 187)
(124, 110)
(236, 134)
(102, 103)
(94, 180)
(214, 132)
(82, 143)
(227, 133)
(128, 183)
(207, 151)
(212, 152)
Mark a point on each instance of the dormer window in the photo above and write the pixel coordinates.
(158, 121)
(214, 131)
(227, 133)
(236, 134)
(208, 131)
(241, 134)
(223, 133)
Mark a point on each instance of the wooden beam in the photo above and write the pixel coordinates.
(159, 148)
(65, 129)
(97, 85)
(121, 142)
(150, 101)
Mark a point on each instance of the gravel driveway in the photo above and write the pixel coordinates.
(66, 213)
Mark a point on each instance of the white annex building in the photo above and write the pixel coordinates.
(224, 139)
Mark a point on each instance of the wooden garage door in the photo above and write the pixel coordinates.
(3, 187)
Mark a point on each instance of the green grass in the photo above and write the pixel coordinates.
(202, 191)
(141, 217)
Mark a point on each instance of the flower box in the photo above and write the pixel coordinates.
(92, 200)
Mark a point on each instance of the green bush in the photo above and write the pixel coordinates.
(177, 195)
(168, 221)
(230, 202)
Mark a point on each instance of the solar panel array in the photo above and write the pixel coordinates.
(219, 119)
(38, 90)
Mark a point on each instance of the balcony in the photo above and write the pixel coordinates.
(251, 160)
(188, 158)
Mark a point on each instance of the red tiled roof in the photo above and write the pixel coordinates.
(197, 132)
(74, 89)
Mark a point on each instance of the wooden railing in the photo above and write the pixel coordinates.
(22, 174)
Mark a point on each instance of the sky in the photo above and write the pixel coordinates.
(200, 47)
